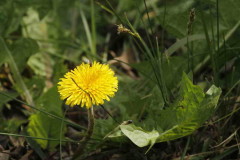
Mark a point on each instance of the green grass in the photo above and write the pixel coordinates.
(170, 79)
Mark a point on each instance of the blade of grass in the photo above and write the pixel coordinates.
(204, 154)
(47, 139)
(218, 36)
(163, 23)
(183, 42)
(88, 32)
(93, 28)
(60, 136)
(215, 50)
(105, 8)
(159, 63)
(16, 74)
(153, 61)
(145, 26)
(146, 8)
(49, 40)
(222, 155)
(237, 109)
(190, 45)
(35, 146)
(40, 110)
(113, 11)
(226, 37)
(186, 148)
(210, 49)
(225, 57)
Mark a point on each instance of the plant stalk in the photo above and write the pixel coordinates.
(86, 138)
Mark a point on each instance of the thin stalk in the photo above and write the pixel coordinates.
(218, 37)
(93, 28)
(186, 148)
(153, 63)
(54, 41)
(163, 23)
(109, 114)
(159, 63)
(227, 36)
(214, 52)
(45, 112)
(145, 27)
(225, 57)
(189, 32)
(213, 33)
(88, 32)
(85, 139)
(225, 116)
(148, 16)
(209, 46)
(47, 139)
(113, 11)
(60, 136)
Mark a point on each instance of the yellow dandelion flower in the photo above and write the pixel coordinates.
(88, 85)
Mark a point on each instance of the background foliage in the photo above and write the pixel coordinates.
(178, 83)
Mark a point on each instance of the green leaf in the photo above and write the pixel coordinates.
(139, 136)
(192, 108)
(36, 86)
(10, 17)
(189, 111)
(43, 126)
(22, 49)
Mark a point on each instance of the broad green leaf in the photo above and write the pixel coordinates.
(22, 49)
(189, 111)
(41, 125)
(139, 136)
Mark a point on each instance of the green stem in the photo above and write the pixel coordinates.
(42, 138)
(61, 136)
(89, 133)
(45, 112)
(93, 28)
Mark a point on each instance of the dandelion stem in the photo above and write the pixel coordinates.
(89, 133)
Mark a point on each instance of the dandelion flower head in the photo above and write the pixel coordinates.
(88, 85)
